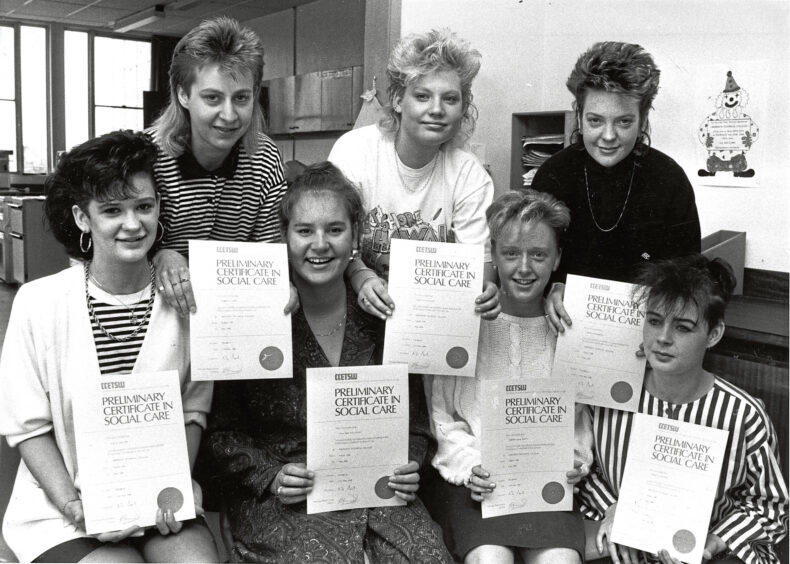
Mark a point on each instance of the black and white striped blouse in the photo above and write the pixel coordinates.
(117, 357)
(237, 202)
(751, 508)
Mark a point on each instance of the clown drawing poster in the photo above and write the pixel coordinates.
(730, 103)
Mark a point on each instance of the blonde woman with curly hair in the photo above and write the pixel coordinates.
(415, 180)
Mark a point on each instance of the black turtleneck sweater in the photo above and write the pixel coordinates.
(660, 218)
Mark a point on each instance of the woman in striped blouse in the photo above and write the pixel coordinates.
(100, 317)
(686, 299)
(219, 176)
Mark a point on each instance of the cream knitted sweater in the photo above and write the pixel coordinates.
(509, 347)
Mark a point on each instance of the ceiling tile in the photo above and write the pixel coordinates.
(100, 13)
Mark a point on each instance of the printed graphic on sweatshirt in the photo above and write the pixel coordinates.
(380, 227)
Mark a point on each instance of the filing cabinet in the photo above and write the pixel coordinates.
(34, 250)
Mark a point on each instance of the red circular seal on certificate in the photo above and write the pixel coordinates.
(553, 493)
(271, 358)
(382, 488)
(684, 541)
(621, 392)
(170, 499)
(457, 357)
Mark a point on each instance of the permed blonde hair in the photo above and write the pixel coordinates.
(418, 55)
(238, 52)
(524, 206)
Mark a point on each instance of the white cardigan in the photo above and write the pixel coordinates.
(48, 346)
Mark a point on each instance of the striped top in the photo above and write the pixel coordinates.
(117, 357)
(237, 202)
(751, 506)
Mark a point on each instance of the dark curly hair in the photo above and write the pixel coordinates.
(99, 169)
(672, 284)
(318, 178)
(613, 66)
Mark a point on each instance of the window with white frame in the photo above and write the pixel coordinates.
(122, 71)
(8, 94)
(104, 81)
(23, 126)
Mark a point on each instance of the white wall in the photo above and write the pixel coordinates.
(530, 46)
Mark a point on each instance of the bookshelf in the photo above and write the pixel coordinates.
(541, 127)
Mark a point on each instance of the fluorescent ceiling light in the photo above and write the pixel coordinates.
(139, 19)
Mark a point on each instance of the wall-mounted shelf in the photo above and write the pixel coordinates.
(548, 131)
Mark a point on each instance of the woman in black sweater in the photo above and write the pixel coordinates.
(629, 202)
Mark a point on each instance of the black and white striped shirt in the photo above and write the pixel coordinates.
(118, 357)
(751, 507)
(237, 202)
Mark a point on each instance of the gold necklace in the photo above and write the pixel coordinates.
(334, 330)
(425, 179)
(138, 326)
(622, 211)
(132, 316)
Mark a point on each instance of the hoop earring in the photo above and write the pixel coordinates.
(644, 139)
(85, 248)
(161, 230)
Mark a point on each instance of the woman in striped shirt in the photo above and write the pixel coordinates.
(219, 176)
(100, 317)
(686, 299)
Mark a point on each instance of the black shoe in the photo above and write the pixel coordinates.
(744, 174)
(703, 172)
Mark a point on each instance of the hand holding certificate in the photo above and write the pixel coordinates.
(435, 328)
(527, 444)
(669, 486)
(239, 331)
(599, 349)
(132, 451)
(357, 435)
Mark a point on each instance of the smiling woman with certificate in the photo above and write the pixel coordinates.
(72, 329)
(416, 181)
(685, 317)
(258, 437)
(525, 245)
(630, 203)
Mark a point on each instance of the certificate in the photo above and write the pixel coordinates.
(239, 331)
(599, 350)
(132, 450)
(527, 444)
(434, 327)
(357, 434)
(669, 486)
